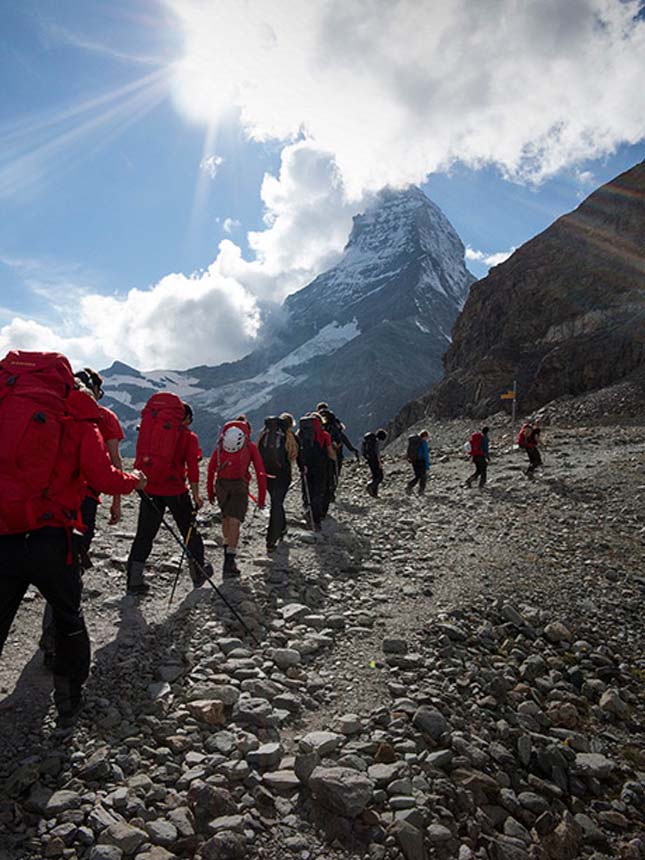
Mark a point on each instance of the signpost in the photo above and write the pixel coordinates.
(511, 395)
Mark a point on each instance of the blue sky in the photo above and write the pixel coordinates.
(135, 137)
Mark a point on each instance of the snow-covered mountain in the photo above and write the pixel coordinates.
(366, 336)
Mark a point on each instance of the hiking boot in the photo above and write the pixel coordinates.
(68, 698)
(468, 484)
(68, 717)
(230, 569)
(201, 577)
(84, 558)
(136, 579)
(271, 547)
(408, 489)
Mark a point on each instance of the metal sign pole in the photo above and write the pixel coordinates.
(514, 401)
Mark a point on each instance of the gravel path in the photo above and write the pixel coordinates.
(566, 547)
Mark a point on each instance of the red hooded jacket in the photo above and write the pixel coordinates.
(237, 466)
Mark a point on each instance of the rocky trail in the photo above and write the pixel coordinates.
(454, 675)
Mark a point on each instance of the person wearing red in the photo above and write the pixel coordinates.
(480, 455)
(229, 476)
(169, 491)
(40, 516)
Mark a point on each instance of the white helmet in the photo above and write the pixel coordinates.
(233, 440)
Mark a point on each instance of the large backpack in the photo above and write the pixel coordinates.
(34, 387)
(523, 436)
(369, 446)
(311, 452)
(414, 448)
(233, 451)
(273, 446)
(476, 443)
(162, 427)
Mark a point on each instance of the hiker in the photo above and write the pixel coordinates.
(418, 456)
(529, 440)
(480, 454)
(110, 429)
(50, 447)
(278, 448)
(228, 480)
(372, 444)
(167, 451)
(316, 452)
(336, 429)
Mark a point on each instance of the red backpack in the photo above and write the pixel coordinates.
(233, 451)
(476, 441)
(161, 429)
(34, 387)
(521, 439)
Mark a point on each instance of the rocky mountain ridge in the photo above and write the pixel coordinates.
(564, 315)
(366, 335)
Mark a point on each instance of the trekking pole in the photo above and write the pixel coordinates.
(191, 557)
(189, 533)
(308, 497)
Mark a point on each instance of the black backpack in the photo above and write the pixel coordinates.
(414, 447)
(369, 445)
(273, 446)
(312, 453)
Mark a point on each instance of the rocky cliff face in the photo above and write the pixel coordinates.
(564, 315)
(366, 335)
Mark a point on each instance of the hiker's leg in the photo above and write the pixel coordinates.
(423, 478)
(181, 509)
(13, 581)
(54, 569)
(274, 528)
(482, 471)
(150, 515)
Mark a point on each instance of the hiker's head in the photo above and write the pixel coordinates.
(244, 420)
(92, 380)
(322, 407)
(485, 430)
(287, 418)
(188, 414)
(381, 434)
(423, 434)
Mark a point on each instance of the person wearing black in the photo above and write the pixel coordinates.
(278, 447)
(315, 451)
(420, 464)
(372, 444)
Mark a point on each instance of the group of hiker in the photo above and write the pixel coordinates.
(59, 449)
(478, 448)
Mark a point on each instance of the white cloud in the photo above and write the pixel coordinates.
(211, 165)
(210, 316)
(230, 224)
(488, 259)
(395, 91)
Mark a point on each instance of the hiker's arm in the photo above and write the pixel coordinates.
(192, 467)
(260, 474)
(210, 482)
(99, 471)
(115, 458)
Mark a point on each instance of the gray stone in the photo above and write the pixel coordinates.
(225, 846)
(123, 836)
(594, 765)
(438, 834)
(61, 801)
(321, 742)
(557, 632)
(410, 840)
(97, 767)
(266, 756)
(282, 781)
(341, 790)
(382, 774)
(611, 703)
(285, 657)
(395, 646)
(162, 832)
(105, 852)
(294, 612)
(440, 758)
(430, 721)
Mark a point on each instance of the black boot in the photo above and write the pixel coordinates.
(136, 579)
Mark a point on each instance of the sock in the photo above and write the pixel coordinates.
(229, 551)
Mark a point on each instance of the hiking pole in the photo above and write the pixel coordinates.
(308, 497)
(191, 557)
(189, 533)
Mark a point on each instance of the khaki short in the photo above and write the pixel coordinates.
(233, 498)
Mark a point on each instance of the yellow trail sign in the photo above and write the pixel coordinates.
(510, 395)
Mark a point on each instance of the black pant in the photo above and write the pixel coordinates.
(150, 515)
(278, 488)
(48, 559)
(535, 460)
(329, 494)
(89, 506)
(420, 476)
(481, 466)
(315, 484)
(377, 474)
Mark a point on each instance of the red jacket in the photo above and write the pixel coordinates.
(185, 465)
(237, 468)
(83, 458)
(109, 428)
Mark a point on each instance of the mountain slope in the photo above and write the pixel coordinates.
(366, 335)
(564, 315)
